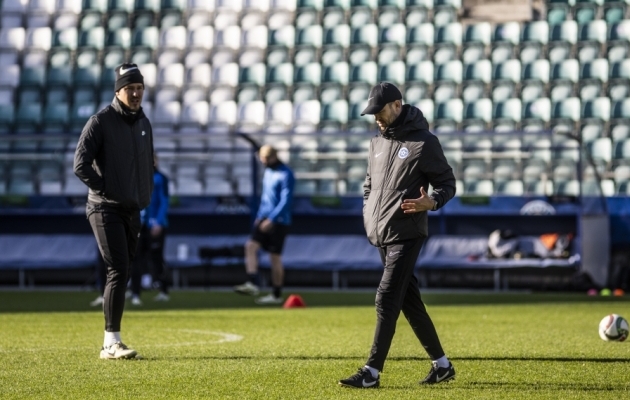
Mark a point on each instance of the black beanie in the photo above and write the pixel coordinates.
(127, 74)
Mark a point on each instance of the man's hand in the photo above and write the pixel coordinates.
(423, 203)
(156, 230)
(266, 225)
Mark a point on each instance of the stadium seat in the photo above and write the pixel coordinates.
(282, 36)
(479, 111)
(508, 71)
(567, 70)
(509, 188)
(80, 114)
(223, 116)
(621, 151)
(336, 111)
(38, 39)
(33, 77)
(450, 34)
(536, 32)
(392, 72)
(307, 115)
(7, 117)
(479, 33)
(364, 73)
(279, 116)
(538, 110)
(145, 38)
(449, 72)
(251, 116)
(601, 151)
(421, 35)
(309, 36)
(565, 32)
(395, 34)
(364, 35)
(166, 117)
(567, 188)
(598, 109)
(450, 111)
(56, 117)
(59, 77)
(508, 111)
(338, 36)
(594, 31)
(28, 118)
(255, 74)
(336, 73)
(482, 187)
(12, 38)
(480, 71)
(194, 116)
(509, 32)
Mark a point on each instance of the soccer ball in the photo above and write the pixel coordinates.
(613, 328)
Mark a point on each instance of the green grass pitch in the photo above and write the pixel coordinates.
(219, 345)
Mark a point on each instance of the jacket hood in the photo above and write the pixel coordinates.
(414, 121)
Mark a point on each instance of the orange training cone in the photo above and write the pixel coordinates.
(293, 301)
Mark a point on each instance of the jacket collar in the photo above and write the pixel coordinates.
(129, 116)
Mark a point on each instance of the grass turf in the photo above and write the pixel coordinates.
(219, 345)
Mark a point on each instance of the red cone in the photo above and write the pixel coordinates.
(293, 301)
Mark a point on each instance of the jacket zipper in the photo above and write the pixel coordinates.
(380, 198)
(136, 156)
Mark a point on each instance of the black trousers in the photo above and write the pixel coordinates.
(116, 233)
(150, 250)
(398, 291)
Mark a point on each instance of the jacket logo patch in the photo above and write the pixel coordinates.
(143, 133)
(403, 153)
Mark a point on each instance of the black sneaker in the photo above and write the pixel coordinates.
(362, 379)
(437, 374)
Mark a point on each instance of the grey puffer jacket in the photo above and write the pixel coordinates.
(114, 158)
(402, 159)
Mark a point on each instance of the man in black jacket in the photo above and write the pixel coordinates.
(114, 158)
(403, 160)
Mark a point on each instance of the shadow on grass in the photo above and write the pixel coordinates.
(419, 359)
(515, 386)
(53, 301)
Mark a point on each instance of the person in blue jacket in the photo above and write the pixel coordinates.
(154, 220)
(270, 226)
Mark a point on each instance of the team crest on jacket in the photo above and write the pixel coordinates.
(403, 153)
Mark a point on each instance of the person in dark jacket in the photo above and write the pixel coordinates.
(154, 221)
(403, 160)
(114, 158)
(270, 227)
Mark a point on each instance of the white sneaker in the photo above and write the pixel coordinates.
(135, 301)
(117, 351)
(247, 288)
(161, 297)
(269, 299)
(97, 301)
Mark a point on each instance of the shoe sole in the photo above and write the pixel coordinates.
(107, 356)
(450, 378)
(358, 387)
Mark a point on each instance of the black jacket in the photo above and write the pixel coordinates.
(402, 159)
(114, 158)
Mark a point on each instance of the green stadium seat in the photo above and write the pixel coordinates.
(566, 31)
(92, 38)
(65, 39)
(33, 76)
(479, 33)
(585, 14)
(59, 76)
(479, 111)
(451, 71)
(614, 13)
(310, 74)
(566, 110)
(336, 112)
(538, 70)
(365, 73)
(56, 118)
(119, 38)
(480, 71)
(365, 35)
(395, 34)
(282, 73)
(87, 76)
(120, 5)
(7, 118)
(254, 74)
(450, 111)
(145, 38)
(537, 32)
(309, 36)
(392, 72)
(557, 13)
(594, 31)
(338, 35)
(449, 34)
(421, 35)
(538, 110)
(509, 111)
(567, 70)
(336, 73)
(95, 5)
(508, 33)
(91, 20)
(284, 36)
(28, 118)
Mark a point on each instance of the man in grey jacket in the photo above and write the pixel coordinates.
(114, 158)
(403, 160)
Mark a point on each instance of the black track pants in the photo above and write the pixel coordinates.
(398, 291)
(117, 237)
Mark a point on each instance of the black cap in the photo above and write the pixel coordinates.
(380, 95)
(127, 74)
